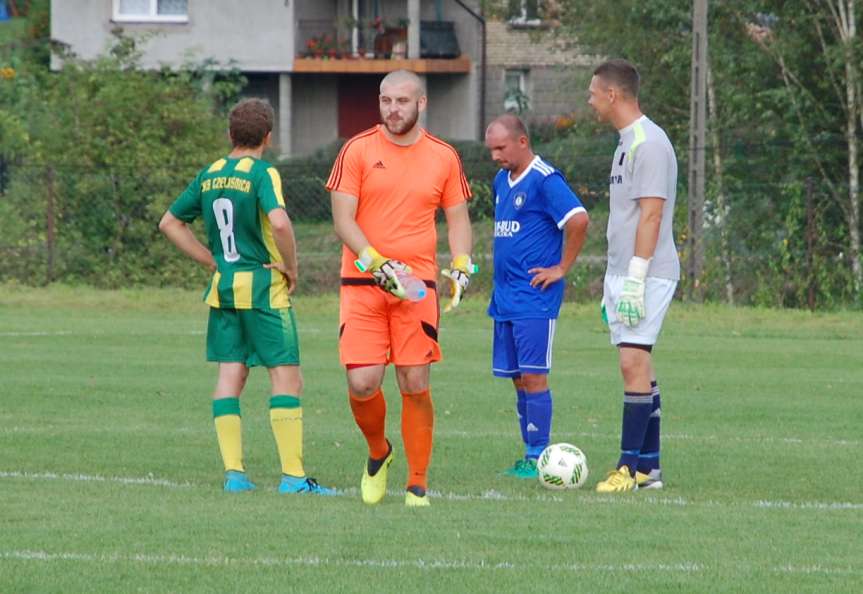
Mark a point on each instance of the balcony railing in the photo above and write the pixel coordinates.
(323, 46)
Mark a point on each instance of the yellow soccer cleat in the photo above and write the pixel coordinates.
(618, 481)
(374, 486)
(414, 500)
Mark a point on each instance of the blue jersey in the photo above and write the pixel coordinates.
(529, 215)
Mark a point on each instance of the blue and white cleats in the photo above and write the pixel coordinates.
(237, 482)
(303, 484)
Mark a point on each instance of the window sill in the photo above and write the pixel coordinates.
(151, 20)
(521, 23)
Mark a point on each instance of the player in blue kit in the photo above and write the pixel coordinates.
(539, 228)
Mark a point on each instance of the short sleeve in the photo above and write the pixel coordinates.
(270, 190)
(347, 173)
(561, 202)
(456, 189)
(187, 207)
(650, 171)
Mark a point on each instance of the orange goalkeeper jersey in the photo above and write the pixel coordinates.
(399, 189)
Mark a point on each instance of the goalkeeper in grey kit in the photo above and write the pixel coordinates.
(643, 267)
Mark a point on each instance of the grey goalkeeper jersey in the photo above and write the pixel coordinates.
(644, 166)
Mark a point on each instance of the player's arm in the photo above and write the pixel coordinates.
(286, 244)
(649, 221)
(344, 208)
(574, 234)
(650, 187)
(181, 236)
(460, 235)
(459, 230)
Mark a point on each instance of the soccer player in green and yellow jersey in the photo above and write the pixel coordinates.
(252, 253)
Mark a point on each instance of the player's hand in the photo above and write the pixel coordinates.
(290, 274)
(630, 305)
(543, 277)
(458, 275)
(383, 270)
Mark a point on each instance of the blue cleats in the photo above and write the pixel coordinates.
(237, 482)
(302, 484)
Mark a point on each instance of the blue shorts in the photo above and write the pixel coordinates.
(522, 346)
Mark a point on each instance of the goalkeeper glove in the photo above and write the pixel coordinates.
(459, 278)
(630, 306)
(383, 270)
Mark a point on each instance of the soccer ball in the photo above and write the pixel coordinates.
(562, 466)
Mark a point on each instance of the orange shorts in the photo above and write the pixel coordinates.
(378, 328)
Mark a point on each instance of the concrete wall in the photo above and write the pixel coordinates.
(452, 110)
(257, 40)
(315, 114)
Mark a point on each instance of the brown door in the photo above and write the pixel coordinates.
(358, 103)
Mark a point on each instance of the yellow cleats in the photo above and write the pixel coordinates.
(373, 488)
(618, 481)
(412, 500)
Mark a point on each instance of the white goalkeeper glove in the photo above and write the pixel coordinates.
(383, 270)
(459, 278)
(630, 306)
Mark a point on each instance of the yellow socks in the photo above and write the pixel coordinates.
(286, 419)
(226, 415)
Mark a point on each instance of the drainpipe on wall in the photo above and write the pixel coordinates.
(482, 67)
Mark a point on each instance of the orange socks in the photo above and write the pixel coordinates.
(417, 430)
(370, 413)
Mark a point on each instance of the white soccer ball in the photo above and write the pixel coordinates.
(562, 466)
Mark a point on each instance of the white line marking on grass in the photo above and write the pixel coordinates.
(584, 497)
(683, 567)
(670, 436)
(448, 433)
(314, 561)
(36, 333)
(148, 480)
(808, 505)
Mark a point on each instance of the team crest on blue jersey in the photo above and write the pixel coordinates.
(519, 199)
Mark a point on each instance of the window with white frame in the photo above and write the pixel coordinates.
(515, 90)
(163, 11)
(525, 13)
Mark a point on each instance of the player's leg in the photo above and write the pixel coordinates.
(521, 409)
(414, 346)
(417, 426)
(504, 363)
(634, 347)
(534, 340)
(363, 349)
(649, 472)
(274, 340)
(225, 346)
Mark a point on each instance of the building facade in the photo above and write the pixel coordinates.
(319, 62)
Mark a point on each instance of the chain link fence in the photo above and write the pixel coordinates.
(771, 242)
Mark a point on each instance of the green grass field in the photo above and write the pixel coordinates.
(110, 474)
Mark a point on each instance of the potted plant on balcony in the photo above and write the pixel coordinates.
(314, 48)
(398, 35)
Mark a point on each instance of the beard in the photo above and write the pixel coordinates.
(404, 125)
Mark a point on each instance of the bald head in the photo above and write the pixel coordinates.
(404, 78)
(512, 124)
(507, 141)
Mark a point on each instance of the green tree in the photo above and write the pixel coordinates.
(101, 148)
(784, 85)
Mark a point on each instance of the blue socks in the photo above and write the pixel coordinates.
(521, 409)
(637, 407)
(538, 422)
(648, 459)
